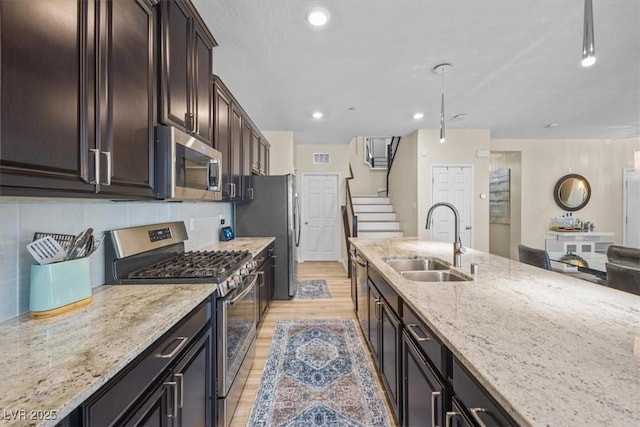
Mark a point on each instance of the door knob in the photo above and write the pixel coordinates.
(468, 227)
(306, 223)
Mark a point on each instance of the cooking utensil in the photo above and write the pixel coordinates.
(46, 250)
(78, 247)
(64, 239)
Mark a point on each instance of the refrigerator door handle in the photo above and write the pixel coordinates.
(296, 213)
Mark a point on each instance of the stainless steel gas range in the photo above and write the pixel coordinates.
(155, 254)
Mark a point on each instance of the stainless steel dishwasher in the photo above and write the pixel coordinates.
(359, 290)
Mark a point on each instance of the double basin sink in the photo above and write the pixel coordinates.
(426, 270)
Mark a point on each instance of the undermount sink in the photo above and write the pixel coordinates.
(416, 264)
(435, 276)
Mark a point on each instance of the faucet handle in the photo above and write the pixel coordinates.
(463, 250)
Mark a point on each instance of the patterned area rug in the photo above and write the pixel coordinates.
(317, 375)
(312, 289)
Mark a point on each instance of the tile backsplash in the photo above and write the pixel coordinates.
(20, 218)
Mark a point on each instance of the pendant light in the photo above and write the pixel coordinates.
(636, 160)
(588, 44)
(442, 69)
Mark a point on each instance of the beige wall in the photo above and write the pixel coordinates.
(403, 184)
(544, 161)
(460, 149)
(366, 181)
(281, 153)
(338, 163)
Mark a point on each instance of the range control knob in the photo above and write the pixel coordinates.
(244, 271)
(234, 282)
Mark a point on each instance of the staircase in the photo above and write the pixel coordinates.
(376, 218)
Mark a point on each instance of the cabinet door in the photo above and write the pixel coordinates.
(375, 301)
(457, 417)
(263, 157)
(193, 376)
(263, 290)
(176, 64)
(202, 66)
(390, 342)
(153, 411)
(423, 395)
(47, 87)
(245, 167)
(222, 138)
(255, 151)
(235, 150)
(126, 134)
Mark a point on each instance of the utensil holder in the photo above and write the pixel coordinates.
(59, 287)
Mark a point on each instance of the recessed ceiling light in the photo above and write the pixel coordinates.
(318, 16)
(317, 115)
(551, 125)
(418, 116)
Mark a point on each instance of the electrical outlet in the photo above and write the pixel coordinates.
(221, 217)
(192, 224)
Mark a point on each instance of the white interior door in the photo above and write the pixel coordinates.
(631, 220)
(452, 184)
(320, 217)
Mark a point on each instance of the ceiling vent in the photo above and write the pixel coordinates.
(320, 158)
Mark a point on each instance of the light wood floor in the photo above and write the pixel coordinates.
(339, 306)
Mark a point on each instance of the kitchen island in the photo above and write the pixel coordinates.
(550, 349)
(48, 367)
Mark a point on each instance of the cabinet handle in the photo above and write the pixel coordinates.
(96, 169)
(175, 398)
(181, 384)
(476, 417)
(411, 328)
(434, 396)
(250, 195)
(107, 154)
(449, 417)
(183, 341)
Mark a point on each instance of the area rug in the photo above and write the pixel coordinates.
(312, 289)
(317, 374)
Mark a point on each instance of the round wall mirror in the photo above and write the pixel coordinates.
(572, 192)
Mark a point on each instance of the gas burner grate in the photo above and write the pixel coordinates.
(195, 264)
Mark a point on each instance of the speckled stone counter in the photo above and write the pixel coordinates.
(55, 364)
(255, 245)
(50, 366)
(553, 350)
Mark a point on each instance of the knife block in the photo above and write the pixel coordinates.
(59, 287)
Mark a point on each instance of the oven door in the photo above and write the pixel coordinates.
(236, 331)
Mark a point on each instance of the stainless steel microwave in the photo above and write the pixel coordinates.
(186, 168)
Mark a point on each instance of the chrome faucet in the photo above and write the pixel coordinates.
(458, 249)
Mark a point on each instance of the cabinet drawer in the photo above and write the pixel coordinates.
(425, 339)
(109, 403)
(481, 406)
(387, 292)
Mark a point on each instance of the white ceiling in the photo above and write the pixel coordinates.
(516, 66)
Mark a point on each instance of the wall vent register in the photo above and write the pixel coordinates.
(320, 158)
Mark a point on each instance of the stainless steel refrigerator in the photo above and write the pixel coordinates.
(275, 211)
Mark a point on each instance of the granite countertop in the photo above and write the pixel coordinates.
(553, 350)
(50, 366)
(255, 245)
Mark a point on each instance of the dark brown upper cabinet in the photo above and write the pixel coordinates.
(233, 134)
(186, 69)
(78, 100)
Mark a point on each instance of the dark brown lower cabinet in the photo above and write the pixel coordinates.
(424, 395)
(266, 264)
(170, 384)
(385, 331)
(472, 397)
(457, 416)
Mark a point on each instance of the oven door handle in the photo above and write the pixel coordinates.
(245, 292)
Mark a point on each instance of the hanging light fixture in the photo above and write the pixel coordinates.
(636, 160)
(588, 44)
(441, 69)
